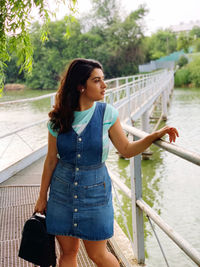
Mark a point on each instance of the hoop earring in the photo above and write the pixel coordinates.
(82, 90)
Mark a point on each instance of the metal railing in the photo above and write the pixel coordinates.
(127, 93)
(139, 205)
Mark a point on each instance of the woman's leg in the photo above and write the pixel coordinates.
(69, 247)
(98, 253)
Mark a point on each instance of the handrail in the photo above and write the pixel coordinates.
(139, 205)
(172, 148)
(23, 128)
(31, 99)
(177, 238)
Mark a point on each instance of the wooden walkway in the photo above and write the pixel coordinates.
(17, 199)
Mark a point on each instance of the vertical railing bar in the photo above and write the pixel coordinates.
(123, 216)
(162, 251)
(137, 213)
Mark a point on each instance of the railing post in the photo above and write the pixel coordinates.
(117, 86)
(145, 121)
(128, 97)
(164, 105)
(52, 101)
(137, 214)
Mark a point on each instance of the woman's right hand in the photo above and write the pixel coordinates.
(40, 205)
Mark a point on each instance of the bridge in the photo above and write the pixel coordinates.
(135, 97)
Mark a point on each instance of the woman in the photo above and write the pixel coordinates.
(80, 199)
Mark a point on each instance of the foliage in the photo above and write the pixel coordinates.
(160, 44)
(194, 69)
(117, 46)
(105, 11)
(182, 77)
(182, 61)
(197, 45)
(184, 42)
(15, 21)
(195, 32)
(189, 74)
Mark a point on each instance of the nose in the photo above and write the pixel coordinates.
(103, 84)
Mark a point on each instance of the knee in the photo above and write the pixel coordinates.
(72, 251)
(97, 257)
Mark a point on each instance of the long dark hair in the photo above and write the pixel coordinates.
(67, 96)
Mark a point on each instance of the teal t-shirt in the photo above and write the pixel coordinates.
(81, 119)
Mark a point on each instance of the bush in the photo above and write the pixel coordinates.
(182, 77)
(182, 61)
(194, 69)
(197, 45)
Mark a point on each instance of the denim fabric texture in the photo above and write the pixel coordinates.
(80, 198)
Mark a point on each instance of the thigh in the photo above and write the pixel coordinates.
(95, 247)
(68, 244)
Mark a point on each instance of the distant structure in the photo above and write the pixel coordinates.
(184, 27)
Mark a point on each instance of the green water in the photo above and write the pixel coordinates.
(171, 186)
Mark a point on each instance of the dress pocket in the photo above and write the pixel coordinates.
(95, 195)
(60, 191)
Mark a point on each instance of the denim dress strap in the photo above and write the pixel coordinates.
(86, 148)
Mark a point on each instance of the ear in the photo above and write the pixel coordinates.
(81, 88)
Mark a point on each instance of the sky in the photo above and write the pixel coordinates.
(162, 13)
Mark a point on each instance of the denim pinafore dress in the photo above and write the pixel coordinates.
(80, 198)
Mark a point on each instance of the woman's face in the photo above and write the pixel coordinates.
(95, 85)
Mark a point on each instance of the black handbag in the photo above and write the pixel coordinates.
(37, 246)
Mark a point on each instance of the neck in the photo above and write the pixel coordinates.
(85, 104)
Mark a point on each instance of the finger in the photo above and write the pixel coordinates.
(175, 131)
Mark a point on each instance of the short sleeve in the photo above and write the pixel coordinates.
(52, 132)
(110, 115)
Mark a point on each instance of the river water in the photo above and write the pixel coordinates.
(171, 186)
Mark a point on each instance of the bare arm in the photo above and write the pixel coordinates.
(130, 149)
(49, 166)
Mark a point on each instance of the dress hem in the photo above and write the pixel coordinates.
(76, 236)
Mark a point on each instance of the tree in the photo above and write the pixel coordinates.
(160, 44)
(106, 11)
(194, 69)
(195, 32)
(121, 48)
(184, 42)
(118, 46)
(14, 31)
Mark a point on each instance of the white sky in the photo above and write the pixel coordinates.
(162, 13)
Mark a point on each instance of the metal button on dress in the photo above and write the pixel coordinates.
(75, 210)
(80, 139)
(75, 224)
(75, 196)
(77, 169)
(76, 183)
(79, 155)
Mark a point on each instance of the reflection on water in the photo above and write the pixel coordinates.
(171, 186)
